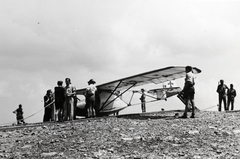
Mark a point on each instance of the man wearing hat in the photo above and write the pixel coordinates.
(90, 98)
(70, 93)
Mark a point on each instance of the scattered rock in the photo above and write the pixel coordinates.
(49, 154)
(236, 131)
(127, 139)
(26, 146)
(1, 155)
(130, 128)
(116, 129)
(145, 136)
(196, 157)
(193, 132)
(137, 137)
(226, 133)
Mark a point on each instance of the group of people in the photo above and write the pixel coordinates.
(226, 95)
(63, 101)
(60, 105)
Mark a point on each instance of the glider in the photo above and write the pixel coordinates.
(108, 96)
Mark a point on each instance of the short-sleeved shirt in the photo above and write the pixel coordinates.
(90, 91)
(189, 77)
(69, 90)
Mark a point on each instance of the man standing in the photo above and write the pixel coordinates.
(59, 100)
(189, 91)
(231, 95)
(90, 98)
(143, 101)
(70, 92)
(19, 115)
(48, 104)
(221, 90)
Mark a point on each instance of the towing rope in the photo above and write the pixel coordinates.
(39, 110)
(158, 100)
(31, 114)
(79, 99)
(210, 107)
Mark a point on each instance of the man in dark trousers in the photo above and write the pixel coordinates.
(48, 104)
(143, 101)
(19, 115)
(59, 99)
(221, 90)
(231, 95)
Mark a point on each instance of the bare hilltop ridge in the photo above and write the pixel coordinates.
(151, 135)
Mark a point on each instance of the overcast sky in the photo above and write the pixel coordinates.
(42, 42)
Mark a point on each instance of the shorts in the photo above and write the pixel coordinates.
(59, 104)
(189, 93)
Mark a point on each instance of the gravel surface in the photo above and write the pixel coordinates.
(151, 135)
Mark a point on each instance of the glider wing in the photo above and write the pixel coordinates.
(156, 76)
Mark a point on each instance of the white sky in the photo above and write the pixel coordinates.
(42, 42)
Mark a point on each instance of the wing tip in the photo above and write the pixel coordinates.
(196, 70)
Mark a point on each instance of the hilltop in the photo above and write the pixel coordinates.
(151, 135)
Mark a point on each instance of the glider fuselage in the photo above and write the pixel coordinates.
(105, 103)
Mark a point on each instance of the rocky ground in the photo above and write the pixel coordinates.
(151, 135)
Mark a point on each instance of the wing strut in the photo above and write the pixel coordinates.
(110, 95)
(131, 99)
(105, 105)
(150, 96)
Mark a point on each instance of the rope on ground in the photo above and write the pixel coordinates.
(30, 115)
(210, 107)
(158, 100)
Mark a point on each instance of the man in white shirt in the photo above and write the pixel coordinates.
(90, 98)
(189, 91)
(70, 92)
